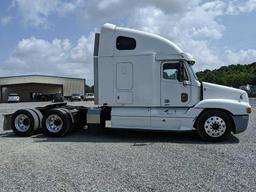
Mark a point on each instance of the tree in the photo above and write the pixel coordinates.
(232, 75)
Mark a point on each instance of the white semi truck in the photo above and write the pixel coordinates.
(142, 81)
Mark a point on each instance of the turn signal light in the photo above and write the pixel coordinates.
(248, 109)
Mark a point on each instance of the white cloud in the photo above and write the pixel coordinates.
(241, 56)
(116, 10)
(191, 24)
(5, 20)
(58, 57)
(104, 4)
(192, 29)
(36, 13)
(238, 7)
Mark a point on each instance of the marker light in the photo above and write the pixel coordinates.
(248, 109)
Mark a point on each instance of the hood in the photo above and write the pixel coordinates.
(214, 91)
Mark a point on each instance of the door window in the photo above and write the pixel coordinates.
(172, 71)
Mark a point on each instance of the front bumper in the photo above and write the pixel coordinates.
(13, 100)
(241, 123)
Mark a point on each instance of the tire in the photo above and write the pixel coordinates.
(214, 125)
(40, 117)
(25, 122)
(70, 118)
(56, 123)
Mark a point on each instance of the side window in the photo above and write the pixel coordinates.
(174, 71)
(125, 43)
(171, 71)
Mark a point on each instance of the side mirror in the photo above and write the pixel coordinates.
(182, 74)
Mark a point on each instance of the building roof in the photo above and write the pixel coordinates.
(34, 75)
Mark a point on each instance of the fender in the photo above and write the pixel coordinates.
(233, 106)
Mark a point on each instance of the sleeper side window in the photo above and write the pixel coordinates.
(125, 43)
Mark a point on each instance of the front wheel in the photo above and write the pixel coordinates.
(214, 125)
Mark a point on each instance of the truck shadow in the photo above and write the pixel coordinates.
(137, 137)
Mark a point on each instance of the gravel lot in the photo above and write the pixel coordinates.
(126, 161)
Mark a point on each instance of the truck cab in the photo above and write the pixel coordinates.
(149, 83)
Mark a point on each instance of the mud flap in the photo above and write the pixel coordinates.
(7, 122)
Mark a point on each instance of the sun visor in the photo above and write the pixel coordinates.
(167, 56)
(189, 58)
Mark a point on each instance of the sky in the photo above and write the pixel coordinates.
(55, 37)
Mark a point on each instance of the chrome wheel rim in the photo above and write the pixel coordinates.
(215, 126)
(22, 123)
(54, 123)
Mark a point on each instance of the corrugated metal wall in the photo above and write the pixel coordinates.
(70, 85)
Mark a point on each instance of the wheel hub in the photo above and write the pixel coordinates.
(54, 123)
(57, 122)
(22, 123)
(26, 121)
(215, 126)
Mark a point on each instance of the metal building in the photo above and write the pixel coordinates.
(30, 85)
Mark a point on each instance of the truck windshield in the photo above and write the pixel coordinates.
(194, 73)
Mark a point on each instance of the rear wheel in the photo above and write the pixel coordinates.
(25, 122)
(214, 125)
(40, 119)
(56, 123)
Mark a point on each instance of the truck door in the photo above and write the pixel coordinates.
(175, 88)
(124, 83)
